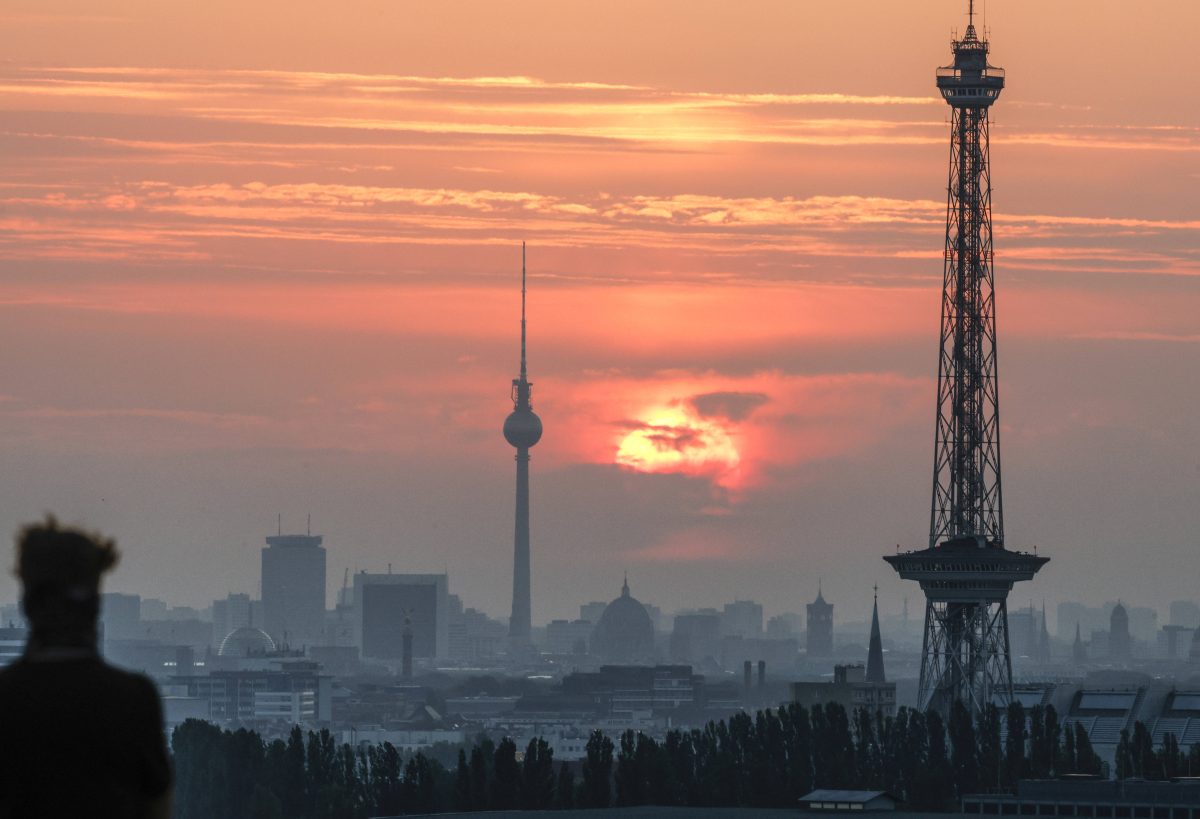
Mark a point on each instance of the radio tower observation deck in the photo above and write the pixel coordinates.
(522, 429)
(966, 572)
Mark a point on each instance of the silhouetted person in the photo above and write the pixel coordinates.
(77, 737)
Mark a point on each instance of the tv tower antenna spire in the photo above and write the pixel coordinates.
(522, 429)
(966, 572)
(523, 376)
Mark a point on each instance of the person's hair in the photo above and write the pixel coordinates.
(60, 570)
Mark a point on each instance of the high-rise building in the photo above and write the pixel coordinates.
(229, 615)
(522, 429)
(1174, 642)
(696, 637)
(1119, 642)
(966, 572)
(120, 616)
(293, 589)
(1185, 613)
(391, 607)
(819, 633)
(742, 618)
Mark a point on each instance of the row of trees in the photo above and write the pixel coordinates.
(1136, 756)
(770, 759)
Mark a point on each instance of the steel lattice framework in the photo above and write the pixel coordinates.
(966, 573)
(967, 499)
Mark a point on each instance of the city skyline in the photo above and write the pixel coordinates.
(271, 281)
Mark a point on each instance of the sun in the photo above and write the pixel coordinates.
(672, 439)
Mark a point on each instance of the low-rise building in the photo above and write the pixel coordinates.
(1091, 797)
(849, 689)
(250, 695)
(12, 644)
(831, 801)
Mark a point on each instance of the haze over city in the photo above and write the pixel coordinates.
(265, 261)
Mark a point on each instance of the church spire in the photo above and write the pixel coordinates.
(875, 652)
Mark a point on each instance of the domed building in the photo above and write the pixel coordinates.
(624, 633)
(246, 641)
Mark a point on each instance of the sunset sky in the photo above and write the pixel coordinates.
(264, 258)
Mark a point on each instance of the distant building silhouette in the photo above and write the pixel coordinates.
(391, 607)
(742, 618)
(592, 611)
(293, 589)
(1119, 647)
(1043, 652)
(819, 642)
(784, 626)
(120, 616)
(229, 614)
(625, 633)
(1078, 650)
(850, 689)
(853, 686)
(568, 636)
(696, 637)
(1185, 613)
(12, 643)
(875, 672)
(1174, 642)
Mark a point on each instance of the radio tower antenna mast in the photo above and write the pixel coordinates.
(966, 572)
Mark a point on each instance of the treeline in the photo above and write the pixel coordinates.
(1136, 756)
(770, 759)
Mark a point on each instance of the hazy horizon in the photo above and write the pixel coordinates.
(265, 260)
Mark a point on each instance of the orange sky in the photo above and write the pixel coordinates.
(262, 257)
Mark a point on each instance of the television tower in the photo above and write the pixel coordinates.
(522, 429)
(966, 572)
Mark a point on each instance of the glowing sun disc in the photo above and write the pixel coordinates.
(672, 440)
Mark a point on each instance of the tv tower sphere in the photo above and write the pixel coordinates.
(522, 428)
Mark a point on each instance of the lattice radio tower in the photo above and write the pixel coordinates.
(966, 573)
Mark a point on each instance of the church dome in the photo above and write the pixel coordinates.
(624, 634)
(246, 641)
(1119, 621)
